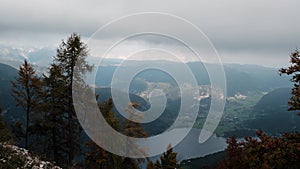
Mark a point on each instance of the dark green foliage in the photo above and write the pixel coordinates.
(96, 157)
(131, 128)
(71, 58)
(53, 125)
(294, 70)
(69, 66)
(151, 165)
(206, 162)
(17, 131)
(50, 122)
(168, 160)
(4, 133)
(134, 129)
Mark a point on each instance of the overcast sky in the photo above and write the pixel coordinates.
(252, 32)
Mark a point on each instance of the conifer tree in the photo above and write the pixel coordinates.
(71, 59)
(54, 108)
(151, 165)
(134, 129)
(25, 91)
(294, 70)
(168, 160)
(96, 157)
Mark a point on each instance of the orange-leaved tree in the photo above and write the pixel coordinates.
(25, 91)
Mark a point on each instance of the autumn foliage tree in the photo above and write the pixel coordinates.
(55, 125)
(266, 152)
(132, 128)
(263, 153)
(25, 91)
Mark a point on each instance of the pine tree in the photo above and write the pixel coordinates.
(294, 69)
(151, 165)
(54, 108)
(96, 157)
(71, 59)
(168, 160)
(26, 93)
(134, 129)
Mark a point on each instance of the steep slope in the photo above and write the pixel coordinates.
(273, 115)
(7, 73)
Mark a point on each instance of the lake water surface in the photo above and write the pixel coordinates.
(189, 147)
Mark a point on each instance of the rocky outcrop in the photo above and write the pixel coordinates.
(15, 157)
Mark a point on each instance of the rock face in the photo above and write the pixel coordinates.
(15, 157)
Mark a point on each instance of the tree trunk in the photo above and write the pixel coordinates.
(70, 115)
(27, 117)
(27, 127)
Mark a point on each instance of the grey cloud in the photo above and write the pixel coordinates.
(233, 26)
